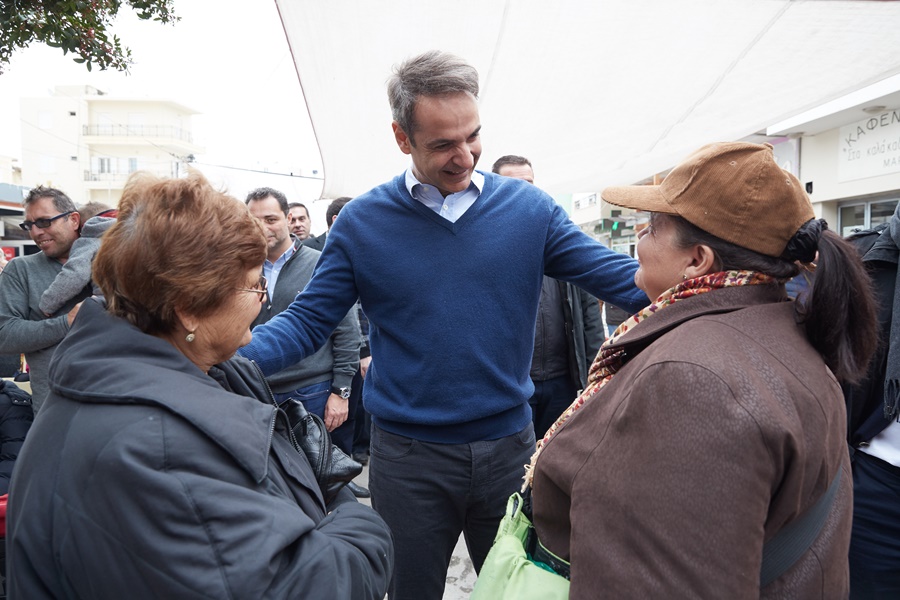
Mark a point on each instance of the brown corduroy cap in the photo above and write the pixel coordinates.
(733, 190)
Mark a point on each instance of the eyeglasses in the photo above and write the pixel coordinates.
(260, 288)
(43, 223)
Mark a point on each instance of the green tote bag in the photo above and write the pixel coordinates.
(508, 571)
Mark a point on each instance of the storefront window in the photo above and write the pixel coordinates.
(865, 215)
(13, 240)
(882, 212)
(852, 218)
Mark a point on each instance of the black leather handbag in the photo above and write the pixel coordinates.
(331, 465)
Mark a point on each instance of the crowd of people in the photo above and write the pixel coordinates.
(181, 395)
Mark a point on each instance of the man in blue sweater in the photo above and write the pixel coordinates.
(447, 263)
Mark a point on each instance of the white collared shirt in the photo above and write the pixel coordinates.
(453, 206)
(885, 445)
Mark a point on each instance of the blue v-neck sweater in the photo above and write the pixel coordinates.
(451, 306)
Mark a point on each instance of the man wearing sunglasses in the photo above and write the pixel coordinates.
(53, 222)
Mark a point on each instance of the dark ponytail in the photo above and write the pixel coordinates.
(839, 311)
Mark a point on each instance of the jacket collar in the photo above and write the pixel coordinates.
(719, 301)
(106, 360)
(298, 246)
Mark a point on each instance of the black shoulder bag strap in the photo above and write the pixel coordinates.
(785, 549)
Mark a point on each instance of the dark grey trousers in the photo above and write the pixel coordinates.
(430, 493)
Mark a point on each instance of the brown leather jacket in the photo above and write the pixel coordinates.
(723, 426)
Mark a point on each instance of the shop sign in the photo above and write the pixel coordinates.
(870, 147)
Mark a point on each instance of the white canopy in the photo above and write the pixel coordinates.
(593, 92)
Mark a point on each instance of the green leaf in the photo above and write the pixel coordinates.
(82, 27)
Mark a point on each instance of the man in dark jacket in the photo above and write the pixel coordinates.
(331, 213)
(321, 381)
(299, 220)
(16, 416)
(873, 409)
(567, 335)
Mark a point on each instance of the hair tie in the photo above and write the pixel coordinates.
(803, 246)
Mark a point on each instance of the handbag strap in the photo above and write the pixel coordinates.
(785, 549)
(534, 549)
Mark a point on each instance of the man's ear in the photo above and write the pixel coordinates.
(403, 140)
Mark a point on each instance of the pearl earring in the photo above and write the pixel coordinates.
(189, 337)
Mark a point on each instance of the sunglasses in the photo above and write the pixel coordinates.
(43, 223)
(260, 288)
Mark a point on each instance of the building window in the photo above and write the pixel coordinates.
(624, 248)
(582, 203)
(881, 212)
(865, 215)
(132, 165)
(104, 166)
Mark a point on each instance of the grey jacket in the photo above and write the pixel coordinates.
(164, 482)
(23, 327)
(337, 360)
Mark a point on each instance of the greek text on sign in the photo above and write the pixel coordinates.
(870, 147)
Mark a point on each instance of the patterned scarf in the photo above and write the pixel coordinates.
(610, 361)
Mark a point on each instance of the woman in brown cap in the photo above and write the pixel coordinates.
(713, 420)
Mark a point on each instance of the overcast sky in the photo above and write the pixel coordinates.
(228, 60)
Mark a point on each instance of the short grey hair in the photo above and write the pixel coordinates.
(433, 73)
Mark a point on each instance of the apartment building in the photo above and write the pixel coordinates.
(86, 142)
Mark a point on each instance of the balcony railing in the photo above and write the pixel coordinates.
(144, 131)
(113, 177)
(120, 177)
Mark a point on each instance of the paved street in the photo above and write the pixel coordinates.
(461, 575)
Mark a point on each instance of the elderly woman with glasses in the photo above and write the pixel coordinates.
(160, 467)
(713, 422)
